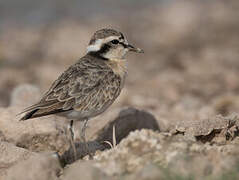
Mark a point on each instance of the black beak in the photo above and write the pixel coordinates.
(134, 49)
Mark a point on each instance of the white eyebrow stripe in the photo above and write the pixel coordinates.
(108, 39)
(96, 46)
(99, 42)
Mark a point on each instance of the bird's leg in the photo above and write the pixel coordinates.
(72, 139)
(83, 137)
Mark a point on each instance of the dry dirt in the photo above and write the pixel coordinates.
(184, 91)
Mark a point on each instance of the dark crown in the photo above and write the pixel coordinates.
(104, 33)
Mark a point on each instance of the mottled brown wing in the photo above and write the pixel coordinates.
(86, 86)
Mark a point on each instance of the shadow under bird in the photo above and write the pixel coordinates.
(91, 85)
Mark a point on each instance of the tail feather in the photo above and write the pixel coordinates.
(28, 115)
(38, 106)
(31, 110)
(36, 111)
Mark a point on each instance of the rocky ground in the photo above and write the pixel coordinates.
(206, 148)
(177, 117)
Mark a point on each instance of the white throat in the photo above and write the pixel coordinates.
(118, 54)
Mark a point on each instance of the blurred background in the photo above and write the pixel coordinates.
(190, 68)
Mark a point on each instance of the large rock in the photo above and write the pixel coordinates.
(129, 119)
(84, 170)
(24, 95)
(217, 129)
(38, 167)
(40, 134)
(10, 155)
(173, 154)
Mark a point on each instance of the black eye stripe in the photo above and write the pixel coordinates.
(104, 49)
(124, 45)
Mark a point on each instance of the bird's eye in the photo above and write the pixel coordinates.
(115, 41)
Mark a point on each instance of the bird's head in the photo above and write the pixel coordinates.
(110, 44)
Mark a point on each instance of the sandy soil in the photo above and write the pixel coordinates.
(186, 78)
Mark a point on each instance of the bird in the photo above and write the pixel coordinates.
(88, 87)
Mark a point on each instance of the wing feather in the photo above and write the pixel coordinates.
(84, 86)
